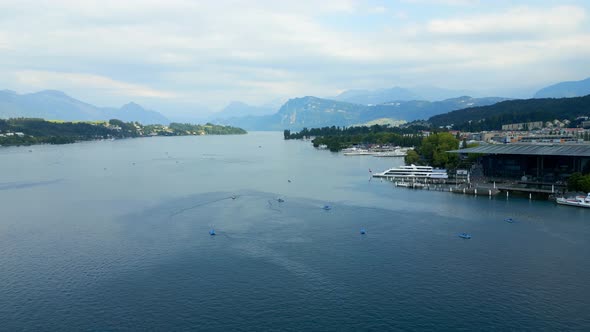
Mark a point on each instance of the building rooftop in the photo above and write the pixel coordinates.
(579, 150)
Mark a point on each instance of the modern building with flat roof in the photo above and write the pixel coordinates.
(539, 162)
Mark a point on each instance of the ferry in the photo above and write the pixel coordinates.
(394, 153)
(414, 172)
(357, 152)
(580, 201)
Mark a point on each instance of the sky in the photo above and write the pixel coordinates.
(191, 58)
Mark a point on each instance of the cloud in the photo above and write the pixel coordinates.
(521, 20)
(213, 52)
(443, 2)
(47, 79)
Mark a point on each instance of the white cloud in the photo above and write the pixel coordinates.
(443, 2)
(108, 86)
(214, 52)
(514, 21)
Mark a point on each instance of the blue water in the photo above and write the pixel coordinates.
(114, 235)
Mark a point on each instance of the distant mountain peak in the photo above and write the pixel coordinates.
(131, 105)
(53, 93)
(566, 89)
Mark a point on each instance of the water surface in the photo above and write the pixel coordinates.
(113, 235)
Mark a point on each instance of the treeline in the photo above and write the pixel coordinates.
(514, 111)
(29, 131)
(338, 138)
(208, 128)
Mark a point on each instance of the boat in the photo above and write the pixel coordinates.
(394, 153)
(465, 236)
(580, 201)
(212, 232)
(414, 172)
(327, 207)
(357, 152)
(509, 220)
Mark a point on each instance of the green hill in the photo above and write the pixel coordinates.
(514, 111)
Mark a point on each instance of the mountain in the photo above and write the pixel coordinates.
(492, 117)
(565, 89)
(56, 105)
(434, 93)
(237, 108)
(313, 112)
(379, 96)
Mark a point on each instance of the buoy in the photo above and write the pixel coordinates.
(363, 231)
(234, 197)
(327, 207)
(211, 232)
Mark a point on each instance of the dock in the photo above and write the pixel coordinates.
(520, 188)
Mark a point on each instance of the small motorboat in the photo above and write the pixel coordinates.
(465, 236)
(509, 220)
(363, 231)
(327, 207)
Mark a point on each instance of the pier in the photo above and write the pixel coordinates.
(483, 188)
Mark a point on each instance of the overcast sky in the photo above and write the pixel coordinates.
(181, 56)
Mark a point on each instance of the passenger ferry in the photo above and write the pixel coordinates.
(414, 172)
(580, 201)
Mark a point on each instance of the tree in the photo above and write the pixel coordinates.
(579, 182)
(434, 150)
(412, 157)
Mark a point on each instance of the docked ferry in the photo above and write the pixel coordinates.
(414, 172)
(580, 201)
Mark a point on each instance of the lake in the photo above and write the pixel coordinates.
(113, 235)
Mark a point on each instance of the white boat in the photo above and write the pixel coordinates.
(394, 153)
(414, 172)
(580, 201)
(357, 152)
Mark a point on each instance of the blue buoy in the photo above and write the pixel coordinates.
(211, 232)
(327, 207)
(465, 236)
(363, 231)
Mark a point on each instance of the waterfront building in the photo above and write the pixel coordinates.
(536, 162)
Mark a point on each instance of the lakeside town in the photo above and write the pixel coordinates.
(538, 160)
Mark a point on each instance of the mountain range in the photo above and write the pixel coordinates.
(565, 89)
(56, 105)
(351, 107)
(380, 96)
(310, 112)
